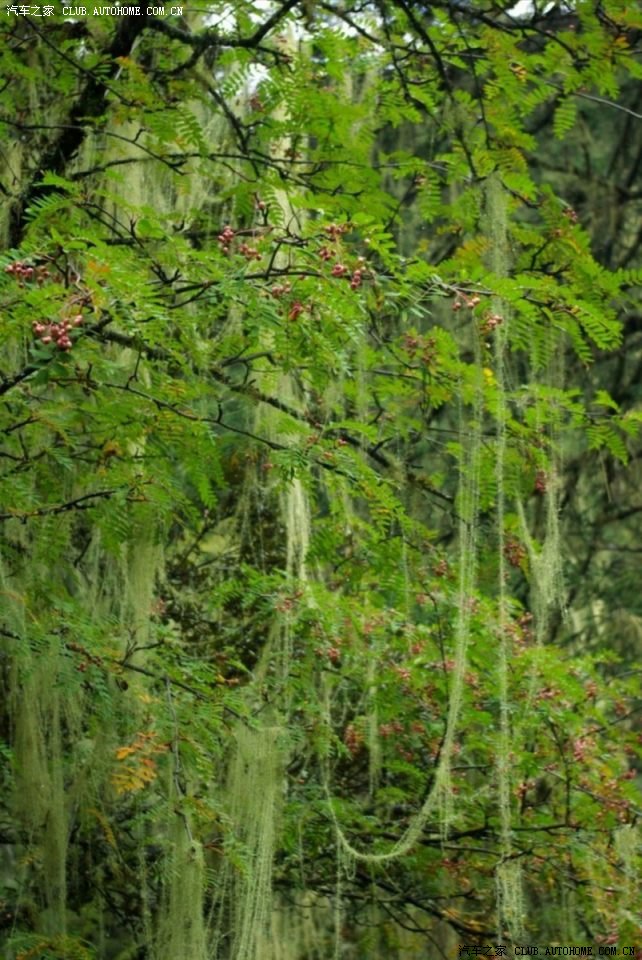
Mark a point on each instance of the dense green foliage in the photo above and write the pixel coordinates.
(311, 330)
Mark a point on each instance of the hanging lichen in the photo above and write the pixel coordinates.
(508, 871)
(439, 798)
(628, 848)
(302, 929)
(344, 869)
(547, 582)
(372, 726)
(143, 568)
(182, 930)
(255, 794)
(41, 803)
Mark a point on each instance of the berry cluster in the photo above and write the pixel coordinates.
(462, 300)
(340, 270)
(523, 788)
(514, 552)
(25, 273)
(442, 569)
(357, 276)
(335, 230)
(54, 332)
(426, 347)
(285, 604)
(491, 320)
(250, 253)
(57, 332)
(353, 739)
(388, 729)
(296, 310)
(541, 481)
(581, 746)
(332, 651)
(280, 290)
(520, 631)
(225, 238)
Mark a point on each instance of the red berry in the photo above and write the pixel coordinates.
(296, 309)
(541, 481)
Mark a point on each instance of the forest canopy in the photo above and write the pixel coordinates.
(320, 619)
